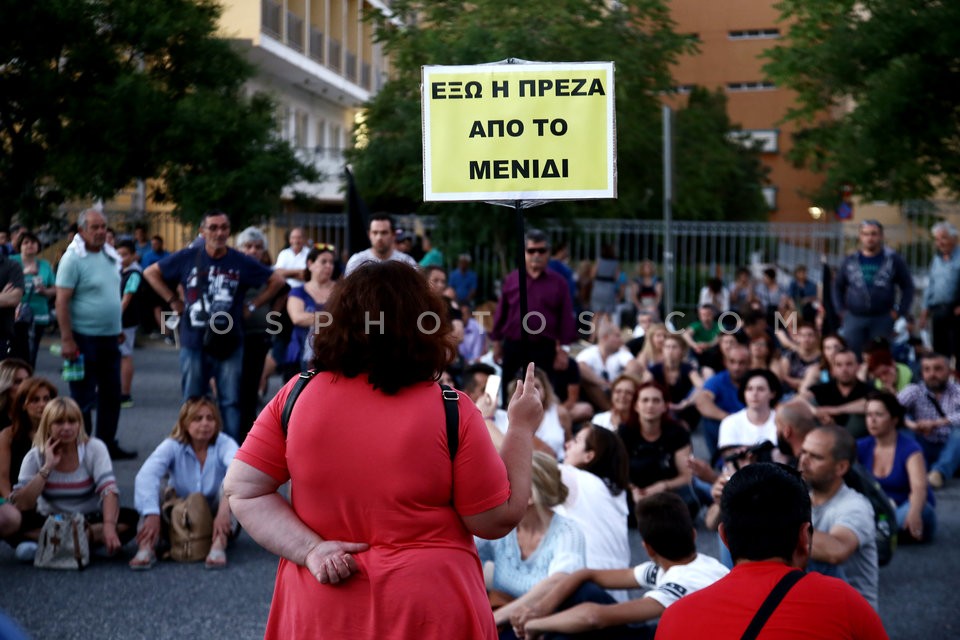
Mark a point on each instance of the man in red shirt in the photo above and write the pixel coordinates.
(765, 520)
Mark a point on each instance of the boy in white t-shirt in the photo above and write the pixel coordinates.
(579, 604)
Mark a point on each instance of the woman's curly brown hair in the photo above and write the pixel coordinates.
(385, 322)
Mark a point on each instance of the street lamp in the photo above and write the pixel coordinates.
(815, 212)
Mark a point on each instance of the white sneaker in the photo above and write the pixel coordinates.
(26, 551)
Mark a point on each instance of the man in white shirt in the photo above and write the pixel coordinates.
(292, 261)
(382, 237)
(675, 570)
(601, 364)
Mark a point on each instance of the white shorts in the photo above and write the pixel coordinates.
(126, 347)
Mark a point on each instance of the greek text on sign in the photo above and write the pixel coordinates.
(535, 131)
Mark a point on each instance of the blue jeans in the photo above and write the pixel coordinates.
(942, 456)
(859, 330)
(100, 387)
(928, 516)
(196, 369)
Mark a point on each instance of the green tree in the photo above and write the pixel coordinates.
(97, 93)
(717, 176)
(637, 35)
(878, 86)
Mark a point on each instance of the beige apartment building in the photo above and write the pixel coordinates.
(318, 60)
(732, 34)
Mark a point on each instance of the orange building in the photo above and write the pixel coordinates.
(732, 34)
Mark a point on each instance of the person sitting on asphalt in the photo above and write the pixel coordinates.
(766, 523)
(842, 400)
(541, 550)
(601, 363)
(68, 471)
(595, 472)
(795, 363)
(680, 379)
(578, 606)
(933, 407)
(720, 396)
(896, 461)
(844, 536)
(32, 397)
(555, 427)
(658, 449)
(760, 392)
(193, 458)
(623, 399)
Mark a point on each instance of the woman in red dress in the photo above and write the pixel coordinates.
(376, 539)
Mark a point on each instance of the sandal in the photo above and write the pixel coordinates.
(144, 560)
(216, 559)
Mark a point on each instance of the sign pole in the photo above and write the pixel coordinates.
(522, 275)
(669, 280)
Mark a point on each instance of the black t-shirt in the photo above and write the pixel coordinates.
(651, 462)
(681, 388)
(563, 378)
(827, 394)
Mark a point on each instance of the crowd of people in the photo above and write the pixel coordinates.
(617, 393)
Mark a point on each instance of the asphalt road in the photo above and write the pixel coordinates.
(918, 589)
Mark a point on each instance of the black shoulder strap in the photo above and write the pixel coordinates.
(936, 404)
(452, 411)
(302, 381)
(769, 605)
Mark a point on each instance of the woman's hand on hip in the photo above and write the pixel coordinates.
(331, 561)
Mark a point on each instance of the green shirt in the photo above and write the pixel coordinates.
(95, 280)
(39, 303)
(702, 335)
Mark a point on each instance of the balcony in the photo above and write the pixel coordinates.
(351, 71)
(316, 45)
(294, 32)
(334, 60)
(270, 13)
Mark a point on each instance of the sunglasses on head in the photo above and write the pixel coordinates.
(533, 250)
(323, 246)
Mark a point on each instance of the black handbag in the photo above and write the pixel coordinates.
(221, 335)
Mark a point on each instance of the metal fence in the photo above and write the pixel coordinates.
(702, 250)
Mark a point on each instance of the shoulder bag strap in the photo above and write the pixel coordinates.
(450, 407)
(201, 287)
(769, 605)
(302, 381)
(936, 404)
(452, 410)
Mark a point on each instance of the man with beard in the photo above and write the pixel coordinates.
(794, 421)
(844, 537)
(382, 237)
(842, 400)
(765, 521)
(933, 409)
(719, 396)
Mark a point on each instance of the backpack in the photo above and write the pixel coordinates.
(884, 510)
(450, 407)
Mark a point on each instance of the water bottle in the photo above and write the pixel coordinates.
(73, 369)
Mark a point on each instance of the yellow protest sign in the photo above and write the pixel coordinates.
(534, 131)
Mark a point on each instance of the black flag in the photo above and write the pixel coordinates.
(358, 217)
(831, 321)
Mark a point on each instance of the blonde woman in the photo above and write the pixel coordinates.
(542, 549)
(67, 471)
(652, 352)
(194, 458)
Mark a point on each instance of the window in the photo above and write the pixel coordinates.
(770, 195)
(754, 34)
(301, 120)
(766, 139)
(321, 140)
(683, 89)
(335, 143)
(750, 86)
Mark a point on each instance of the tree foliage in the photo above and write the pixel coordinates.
(97, 93)
(721, 177)
(637, 35)
(878, 84)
